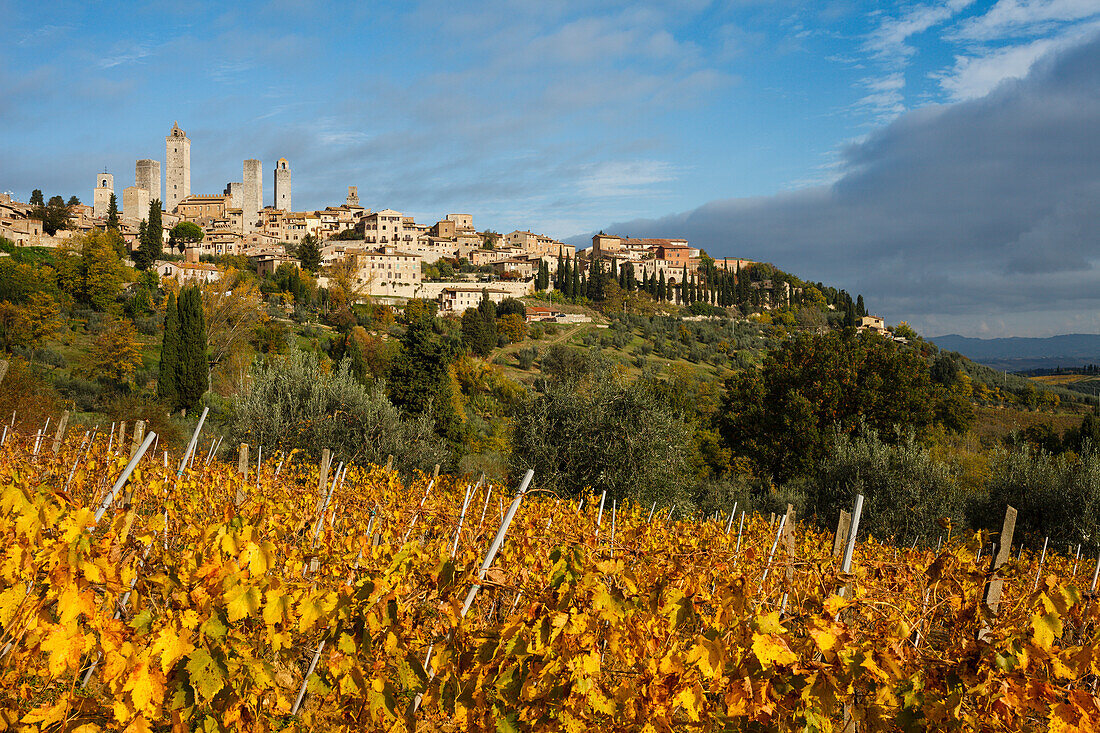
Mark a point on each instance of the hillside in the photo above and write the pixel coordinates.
(1020, 354)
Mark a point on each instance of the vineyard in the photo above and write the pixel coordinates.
(277, 594)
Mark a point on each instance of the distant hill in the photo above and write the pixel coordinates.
(1018, 354)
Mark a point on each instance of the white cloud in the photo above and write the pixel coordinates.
(889, 41)
(976, 74)
(625, 178)
(1026, 18)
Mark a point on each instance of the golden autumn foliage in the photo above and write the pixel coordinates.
(202, 601)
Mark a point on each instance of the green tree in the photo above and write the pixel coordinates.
(600, 432)
(784, 416)
(185, 234)
(167, 391)
(419, 380)
(37, 200)
(152, 239)
(112, 213)
(89, 269)
(309, 253)
(55, 215)
(474, 331)
(192, 373)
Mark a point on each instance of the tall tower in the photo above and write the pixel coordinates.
(101, 195)
(177, 184)
(282, 185)
(252, 200)
(147, 176)
(353, 196)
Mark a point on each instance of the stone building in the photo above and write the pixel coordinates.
(101, 195)
(353, 196)
(177, 154)
(135, 203)
(282, 185)
(147, 177)
(252, 199)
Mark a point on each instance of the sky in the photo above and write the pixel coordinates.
(942, 158)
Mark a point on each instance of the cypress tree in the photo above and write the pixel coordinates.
(660, 294)
(167, 392)
(861, 309)
(152, 240)
(565, 284)
(112, 213)
(488, 312)
(576, 291)
(193, 376)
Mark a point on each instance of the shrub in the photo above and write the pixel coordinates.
(526, 356)
(905, 489)
(293, 403)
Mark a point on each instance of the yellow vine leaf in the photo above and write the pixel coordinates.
(242, 601)
(65, 645)
(146, 687)
(772, 649)
(691, 700)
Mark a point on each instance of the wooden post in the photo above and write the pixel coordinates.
(3, 369)
(122, 435)
(139, 435)
(61, 425)
(995, 585)
(435, 472)
(242, 468)
(322, 476)
(841, 532)
(389, 461)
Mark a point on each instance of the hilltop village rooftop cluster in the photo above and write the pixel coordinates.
(388, 251)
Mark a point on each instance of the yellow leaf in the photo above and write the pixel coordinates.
(242, 601)
(65, 646)
(772, 649)
(172, 647)
(146, 687)
(691, 700)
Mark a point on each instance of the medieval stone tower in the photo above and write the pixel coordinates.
(101, 195)
(353, 196)
(253, 198)
(177, 184)
(282, 185)
(147, 176)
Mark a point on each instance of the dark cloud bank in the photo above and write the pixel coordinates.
(981, 217)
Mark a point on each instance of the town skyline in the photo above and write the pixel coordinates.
(760, 130)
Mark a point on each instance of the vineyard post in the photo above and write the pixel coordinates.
(139, 435)
(1042, 559)
(740, 526)
(599, 515)
(322, 476)
(461, 519)
(389, 462)
(775, 543)
(485, 506)
(995, 584)
(650, 518)
(849, 551)
(191, 445)
(279, 468)
(122, 435)
(123, 478)
(210, 452)
(259, 463)
(3, 368)
(4, 437)
(242, 460)
(1076, 559)
(788, 543)
(841, 532)
(110, 443)
(489, 557)
(60, 432)
(729, 524)
(1095, 575)
(498, 540)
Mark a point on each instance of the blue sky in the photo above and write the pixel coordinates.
(560, 117)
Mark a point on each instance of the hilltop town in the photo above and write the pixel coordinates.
(389, 253)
